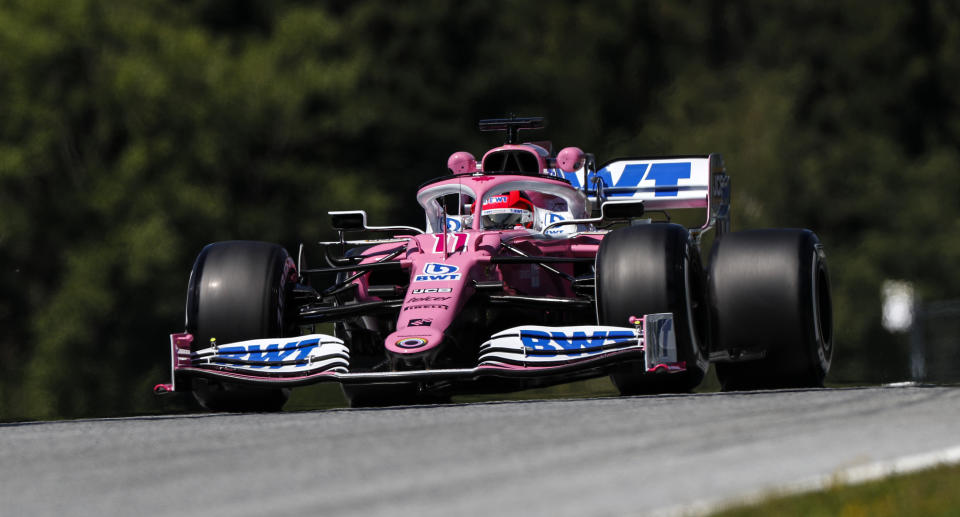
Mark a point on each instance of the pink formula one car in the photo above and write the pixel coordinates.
(533, 269)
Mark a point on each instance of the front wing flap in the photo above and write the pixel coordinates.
(273, 358)
(302, 354)
(538, 346)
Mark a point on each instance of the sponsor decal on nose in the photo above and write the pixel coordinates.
(411, 342)
(429, 299)
(426, 306)
(433, 271)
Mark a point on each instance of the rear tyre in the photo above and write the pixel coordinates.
(238, 291)
(770, 291)
(651, 269)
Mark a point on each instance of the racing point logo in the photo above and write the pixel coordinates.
(420, 322)
(433, 272)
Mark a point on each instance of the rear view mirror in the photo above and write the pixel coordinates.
(356, 220)
(353, 220)
(622, 209)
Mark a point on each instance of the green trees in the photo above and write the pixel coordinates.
(131, 135)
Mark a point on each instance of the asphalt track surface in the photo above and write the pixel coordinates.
(607, 456)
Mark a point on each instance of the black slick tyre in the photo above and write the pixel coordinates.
(650, 269)
(770, 294)
(238, 290)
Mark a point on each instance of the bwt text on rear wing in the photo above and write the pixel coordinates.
(661, 183)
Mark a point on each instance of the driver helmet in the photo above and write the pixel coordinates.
(507, 210)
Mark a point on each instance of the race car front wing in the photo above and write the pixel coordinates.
(526, 351)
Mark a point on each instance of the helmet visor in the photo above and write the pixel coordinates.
(505, 217)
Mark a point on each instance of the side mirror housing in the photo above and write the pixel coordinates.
(348, 221)
(626, 209)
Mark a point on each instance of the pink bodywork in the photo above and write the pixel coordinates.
(432, 304)
(570, 159)
(462, 162)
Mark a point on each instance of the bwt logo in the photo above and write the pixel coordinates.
(662, 175)
(557, 230)
(437, 272)
(273, 353)
(546, 341)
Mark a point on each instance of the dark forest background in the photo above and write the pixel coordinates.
(133, 133)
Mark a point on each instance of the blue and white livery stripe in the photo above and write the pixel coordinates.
(303, 354)
(662, 183)
(533, 345)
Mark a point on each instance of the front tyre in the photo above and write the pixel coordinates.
(651, 269)
(770, 293)
(238, 290)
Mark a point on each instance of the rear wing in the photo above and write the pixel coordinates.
(662, 183)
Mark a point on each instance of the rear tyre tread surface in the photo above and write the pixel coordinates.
(770, 292)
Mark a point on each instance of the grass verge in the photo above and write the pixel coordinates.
(933, 492)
